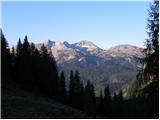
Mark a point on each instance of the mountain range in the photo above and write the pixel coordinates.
(115, 67)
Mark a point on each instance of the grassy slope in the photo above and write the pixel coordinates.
(17, 103)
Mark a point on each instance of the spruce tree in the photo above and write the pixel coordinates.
(150, 72)
(115, 108)
(71, 89)
(49, 74)
(5, 61)
(18, 61)
(148, 77)
(81, 97)
(120, 104)
(100, 104)
(26, 65)
(107, 101)
(89, 100)
(77, 89)
(13, 62)
(19, 47)
(62, 87)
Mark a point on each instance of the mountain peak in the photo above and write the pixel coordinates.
(124, 46)
(125, 49)
(85, 42)
(49, 43)
(86, 46)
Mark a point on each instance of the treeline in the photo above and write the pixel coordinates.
(36, 71)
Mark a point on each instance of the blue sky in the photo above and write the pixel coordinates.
(104, 23)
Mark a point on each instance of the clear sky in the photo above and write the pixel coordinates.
(104, 23)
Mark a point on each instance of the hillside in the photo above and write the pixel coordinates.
(116, 66)
(19, 104)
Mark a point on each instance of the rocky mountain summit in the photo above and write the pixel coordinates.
(125, 50)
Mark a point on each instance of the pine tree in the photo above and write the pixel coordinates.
(150, 72)
(133, 91)
(100, 104)
(49, 74)
(75, 89)
(148, 77)
(36, 65)
(19, 47)
(81, 97)
(5, 61)
(13, 51)
(71, 88)
(13, 62)
(62, 87)
(26, 65)
(53, 74)
(36, 70)
(26, 46)
(89, 100)
(107, 101)
(120, 104)
(18, 61)
(120, 95)
(115, 107)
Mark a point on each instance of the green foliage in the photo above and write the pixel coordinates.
(102, 73)
(100, 105)
(35, 70)
(133, 91)
(150, 72)
(89, 98)
(107, 101)
(76, 90)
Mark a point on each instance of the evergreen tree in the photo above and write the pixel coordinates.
(81, 97)
(75, 90)
(150, 72)
(26, 65)
(120, 104)
(49, 74)
(115, 106)
(26, 47)
(36, 70)
(89, 99)
(62, 87)
(13, 62)
(107, 102)
(13, 51)
(120, 95)
(36, 65)
(100, 104)
(19, 47)
(71, 88)
(53, 74)
(18, 61)
(148, 77)
(93, 97)
(5, 61)
(133, 91)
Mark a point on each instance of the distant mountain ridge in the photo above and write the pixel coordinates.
(125, 49)
(116, 66)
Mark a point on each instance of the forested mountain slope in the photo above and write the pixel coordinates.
(116, 66)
